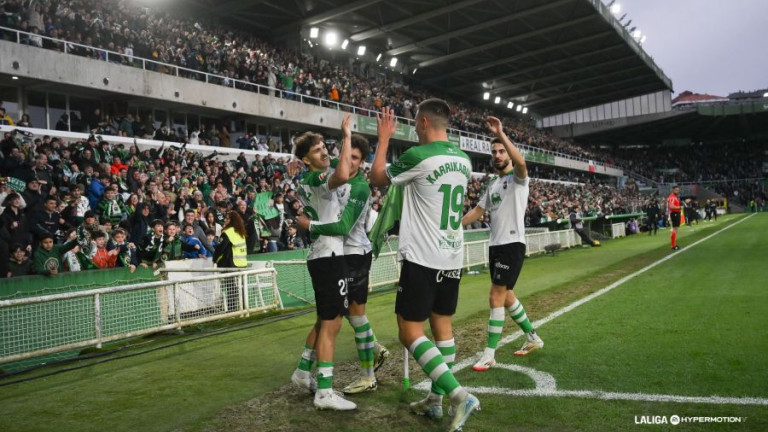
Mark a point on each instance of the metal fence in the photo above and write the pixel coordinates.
(35, 326)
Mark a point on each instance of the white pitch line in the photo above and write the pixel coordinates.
(469, 361)
(594, 394)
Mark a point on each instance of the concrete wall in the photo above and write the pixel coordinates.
(47, 65)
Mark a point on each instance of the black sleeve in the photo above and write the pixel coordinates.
(222, 256)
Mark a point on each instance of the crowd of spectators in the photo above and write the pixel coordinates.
(696, 163)
(145, 206)
(238, 59)
(95, 204)
(549, 201)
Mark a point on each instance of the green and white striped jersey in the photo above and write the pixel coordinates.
(323, 206)
(435, 177)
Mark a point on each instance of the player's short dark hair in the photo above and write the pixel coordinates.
(305, 142)
(497, 140)
(361, 143)
(436, 110)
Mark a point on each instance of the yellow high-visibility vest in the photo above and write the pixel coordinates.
(238, 247)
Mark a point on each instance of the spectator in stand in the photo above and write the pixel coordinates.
(192, 247)
(126, 252)
(24, 121)
(47, 257)
(14, 222)
(19, 264)
(102, 257)
(5, 119)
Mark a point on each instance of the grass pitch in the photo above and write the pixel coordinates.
(691, 326)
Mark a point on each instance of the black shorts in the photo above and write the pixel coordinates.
(423, 291)
(674, 219)
(329, 281)
(505, 263)
(358, 270)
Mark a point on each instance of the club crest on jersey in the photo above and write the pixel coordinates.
(495, 199)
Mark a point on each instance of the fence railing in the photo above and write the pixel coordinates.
(131, 60)
(35, 326)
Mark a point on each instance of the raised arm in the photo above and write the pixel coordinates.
(343, 169)
(518, 161)
(352, 211)
(387, 125)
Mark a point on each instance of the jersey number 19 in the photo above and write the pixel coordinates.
(453, 205)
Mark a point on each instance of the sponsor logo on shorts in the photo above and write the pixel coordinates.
(501, 266)
(450, 274)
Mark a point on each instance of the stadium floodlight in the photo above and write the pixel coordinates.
(510, 105)
(486, 96)
(616, 9)
(414, 70)
(519, 108)
(310, 44)
(314, 32)
(642, 39)
(361, 50)
(637, 34)
(393, 62)
(14, 77)
(765, 94)
(378, 57)
(344, 44)
(331, 38)
(497, 100)
(525, 110)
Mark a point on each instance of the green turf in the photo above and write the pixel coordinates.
(696, 337)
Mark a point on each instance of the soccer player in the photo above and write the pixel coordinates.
(673, 206)
(355, 199)
(434, 176)
(506, 198)
(326, 264)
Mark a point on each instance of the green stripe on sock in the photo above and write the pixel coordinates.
(444, 351)
(324, 375)
(525, 325)
(306, 361)
(494, 336)
(446, 381)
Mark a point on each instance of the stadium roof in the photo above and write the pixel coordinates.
(554, 56)
(708, 123)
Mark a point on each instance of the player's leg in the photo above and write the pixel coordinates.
(370, 357)
(329, 281)
(518, 314)
(413, 306)
(302, 376)
(443, 309)
(496, 299)
(364, 342)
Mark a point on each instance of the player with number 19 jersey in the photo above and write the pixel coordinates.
(435, 176)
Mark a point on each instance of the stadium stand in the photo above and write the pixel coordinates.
(95, 29)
